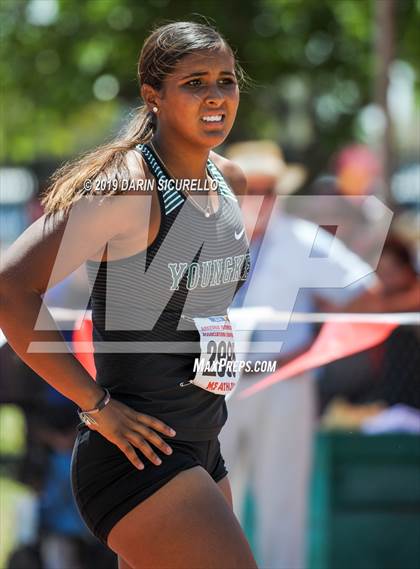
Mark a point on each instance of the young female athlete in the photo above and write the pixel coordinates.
(163, 266)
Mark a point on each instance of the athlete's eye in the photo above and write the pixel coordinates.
(194, 83)
(198, 82)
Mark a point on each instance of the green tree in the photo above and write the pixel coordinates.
(68, 69)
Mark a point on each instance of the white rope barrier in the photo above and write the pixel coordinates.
(267, 314)
(247, 318)
(257, 314)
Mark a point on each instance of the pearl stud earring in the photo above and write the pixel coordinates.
(155, 109)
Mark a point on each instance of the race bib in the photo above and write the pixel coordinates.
(215, 369)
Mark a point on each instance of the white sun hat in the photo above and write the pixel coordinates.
(265, 158)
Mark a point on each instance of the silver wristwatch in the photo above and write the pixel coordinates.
(86, 416)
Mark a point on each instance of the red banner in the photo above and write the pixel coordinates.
(335, 340)
(83, 333)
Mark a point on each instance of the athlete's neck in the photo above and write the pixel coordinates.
(183, 161)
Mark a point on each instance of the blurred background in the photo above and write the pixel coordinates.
(335, 84)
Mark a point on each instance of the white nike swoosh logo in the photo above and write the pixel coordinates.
(239, 235)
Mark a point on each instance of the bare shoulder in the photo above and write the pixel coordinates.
(231, 172)
(131, 168)
(135, 164)
(55, 245)
(128, 210)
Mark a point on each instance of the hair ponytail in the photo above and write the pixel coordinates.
(67, 184)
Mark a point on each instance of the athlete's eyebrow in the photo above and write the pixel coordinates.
(201, 73)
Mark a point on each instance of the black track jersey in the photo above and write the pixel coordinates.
(193, 267)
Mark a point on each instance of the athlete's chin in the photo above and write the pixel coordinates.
(214, 137)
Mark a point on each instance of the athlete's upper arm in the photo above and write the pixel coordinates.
(52, 248)
(232, 172)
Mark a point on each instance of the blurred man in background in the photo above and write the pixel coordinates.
(267, 440)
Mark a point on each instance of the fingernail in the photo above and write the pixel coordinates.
(168, 450)
(158, 461)
(172, 432)
(140, 466)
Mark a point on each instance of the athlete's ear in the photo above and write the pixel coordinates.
(150, 96)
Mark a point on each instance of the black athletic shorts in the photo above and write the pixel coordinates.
(106, 485)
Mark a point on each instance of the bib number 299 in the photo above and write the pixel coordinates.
(216, 372)
(221, 356)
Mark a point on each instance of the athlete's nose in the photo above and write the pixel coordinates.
(214, 95)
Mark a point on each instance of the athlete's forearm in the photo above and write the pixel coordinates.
(18, 314)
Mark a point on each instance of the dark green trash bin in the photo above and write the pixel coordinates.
(365, 502)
